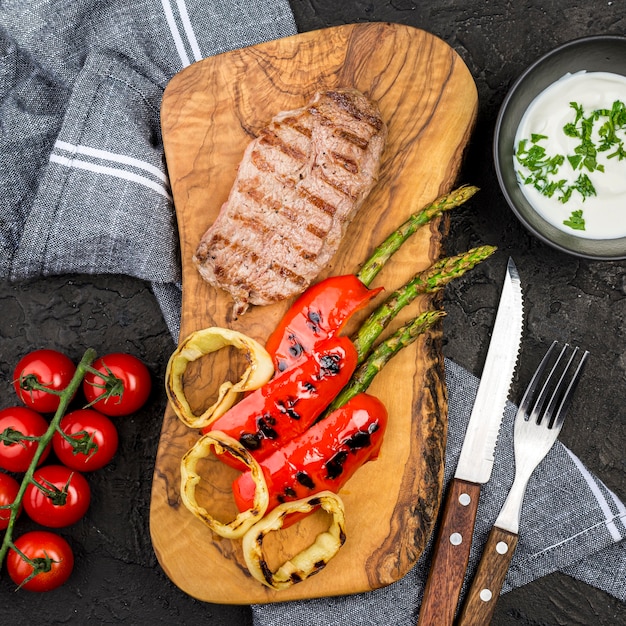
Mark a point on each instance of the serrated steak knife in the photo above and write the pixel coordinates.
(454, 538)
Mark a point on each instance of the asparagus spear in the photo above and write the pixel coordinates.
(390, 246)
(430, 280)
(403, 337)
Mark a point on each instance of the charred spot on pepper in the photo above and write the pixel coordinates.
(305, 479)
(265, 425)
(286, 408)
(288, 494)
(268, 575)
(334, 466)
(308, 386)
(361, 439)
(295, 347)
(295, 577)
(236, 454)
(250, 441)
(318, 565)
(314, 320)
(358, 441)
(330, 364)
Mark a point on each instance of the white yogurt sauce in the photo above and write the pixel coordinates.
(549, 112)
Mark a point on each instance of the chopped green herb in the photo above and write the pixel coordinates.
(543, 170)
(616, 121)
(584, 186)
(620, 153)
(576, 220)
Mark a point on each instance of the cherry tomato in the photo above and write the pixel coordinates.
(48, 367)
(16, 454)
(96, 438)
(65, 501)
(133, 384)
(52, 556)
(8, 490)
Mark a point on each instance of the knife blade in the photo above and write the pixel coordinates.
(454, 537)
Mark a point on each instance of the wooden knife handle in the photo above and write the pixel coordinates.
(481, 599)
(451, 554)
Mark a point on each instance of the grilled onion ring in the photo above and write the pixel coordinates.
(306, 563)
(189, 478)
(201, 343)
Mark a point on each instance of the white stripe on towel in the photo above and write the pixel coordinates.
(111, 156)
(111, 171)
(191, 36)
(192, 41)
(604, 505)
(178, 40)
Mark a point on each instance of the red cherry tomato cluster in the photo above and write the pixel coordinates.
(58, 495)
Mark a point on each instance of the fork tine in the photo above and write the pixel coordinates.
(560, 393)
(538, 412)
(566, 396)
(557, 393)
(529, 394)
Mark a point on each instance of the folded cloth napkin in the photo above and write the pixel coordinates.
(570, 522)
(83, 183)
(84, 189)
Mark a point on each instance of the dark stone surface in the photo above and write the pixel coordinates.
(117, 578)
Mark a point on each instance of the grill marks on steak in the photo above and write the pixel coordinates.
(298, 186)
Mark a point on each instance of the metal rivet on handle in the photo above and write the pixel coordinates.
(486, 595)
(502, 547)
(456, 539)
(465, 499)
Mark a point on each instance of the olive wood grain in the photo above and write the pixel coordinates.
(451, 554)
(210, 111)
(480, 601)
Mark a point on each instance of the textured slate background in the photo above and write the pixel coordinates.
(117, 578)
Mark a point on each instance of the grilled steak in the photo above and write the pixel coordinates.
(298, 186)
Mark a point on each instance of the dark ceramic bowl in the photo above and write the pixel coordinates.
(603, 53)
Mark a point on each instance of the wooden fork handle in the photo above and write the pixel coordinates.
(451, 554)
(482, 596)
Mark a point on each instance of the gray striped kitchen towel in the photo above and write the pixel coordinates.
(83, 183)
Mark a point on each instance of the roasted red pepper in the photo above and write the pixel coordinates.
(322, 458)
(289, 403)
(319, 313)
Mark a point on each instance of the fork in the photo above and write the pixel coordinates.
(535, 432)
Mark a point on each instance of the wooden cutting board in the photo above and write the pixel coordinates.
(210, 111)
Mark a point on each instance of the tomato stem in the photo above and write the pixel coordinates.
(65, 397)
(112, 385)
(82, 442)
(39, 564)
(51, 491)
(31, 383)
(10, 436)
